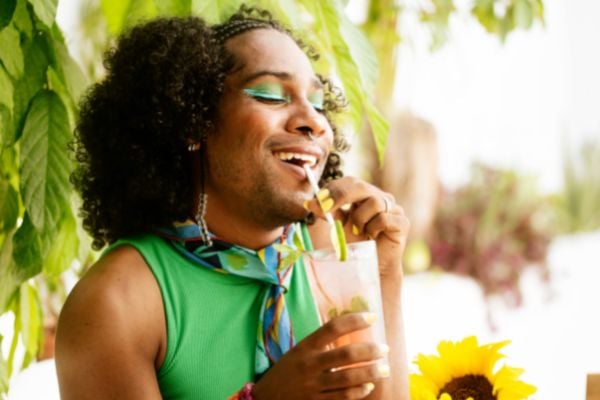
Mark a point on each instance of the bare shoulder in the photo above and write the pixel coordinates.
(114, 321)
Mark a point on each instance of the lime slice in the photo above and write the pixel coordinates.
(338, 239)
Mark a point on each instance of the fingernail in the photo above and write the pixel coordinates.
(368, 387)
(384, 348)
(323, 194)
(370, 318)
(384, 370)
(355, 230)
(305, 204)
(327, 204)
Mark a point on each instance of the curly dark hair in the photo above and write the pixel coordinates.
(163, 85)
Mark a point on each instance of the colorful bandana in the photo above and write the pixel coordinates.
(275, 335)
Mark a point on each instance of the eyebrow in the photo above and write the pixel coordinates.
(285, 76)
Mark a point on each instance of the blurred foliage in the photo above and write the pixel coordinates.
(39, 88)
(501, 17)
(491, 229)
(384, 28)
(578, 205)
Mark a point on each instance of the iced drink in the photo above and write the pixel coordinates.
(341, 287)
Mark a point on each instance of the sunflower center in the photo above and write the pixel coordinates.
(474, 386)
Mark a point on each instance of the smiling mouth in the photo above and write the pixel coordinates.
(298, 159)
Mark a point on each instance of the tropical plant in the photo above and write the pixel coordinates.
(491, 229)
(40, 85)
(578, 205)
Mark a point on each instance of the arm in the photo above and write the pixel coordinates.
(111, 331)
(369, 218)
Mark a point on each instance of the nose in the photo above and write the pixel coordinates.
(305, 120)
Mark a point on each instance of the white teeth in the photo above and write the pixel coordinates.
(310, 160)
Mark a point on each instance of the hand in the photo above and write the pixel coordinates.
(373, 214)
(308, 371)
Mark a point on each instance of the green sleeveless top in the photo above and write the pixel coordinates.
(212, 321)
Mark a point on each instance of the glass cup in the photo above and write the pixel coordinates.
(341, 287)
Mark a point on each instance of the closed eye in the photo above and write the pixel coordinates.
(266, 96)
(318, 107)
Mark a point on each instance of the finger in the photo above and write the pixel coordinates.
(364, 212)
(349, 377)
(388, 224)
(335, 328)
(356, 392)
(338, 193)
(352, 354)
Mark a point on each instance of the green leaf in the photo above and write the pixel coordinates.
(36, 63)
(178, 8)
(31, 321)
(6, 90)
(29, 249)
(362, 53)
(523, 14)
(538, 6)
(5, 126)
(10, 51)
(3, 371)
(73, 76)
(22, 19)
(285, 11)
(45, 10)
(126, 13)
(483, 10)
(139, 10)
(215, 11)
(9, 206)
(327, 22)
(7, 9)
(381, 129)
(64, 248)
(45, 166)
(10, 279)
(115, 13)
(15, 337)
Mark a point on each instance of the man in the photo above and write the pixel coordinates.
(191, 154)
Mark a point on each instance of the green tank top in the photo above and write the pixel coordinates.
(212, 320)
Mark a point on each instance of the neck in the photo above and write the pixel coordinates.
(242, 232)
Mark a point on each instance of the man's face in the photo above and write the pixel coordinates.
(272, 98)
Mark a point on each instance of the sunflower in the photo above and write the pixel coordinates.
(466, 371)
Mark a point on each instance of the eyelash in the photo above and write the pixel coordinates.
(269, 98)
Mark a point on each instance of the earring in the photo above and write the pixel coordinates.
(193, 147)
(203, 198)
(201, 221)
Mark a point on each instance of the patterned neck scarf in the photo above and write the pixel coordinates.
(275, 336)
